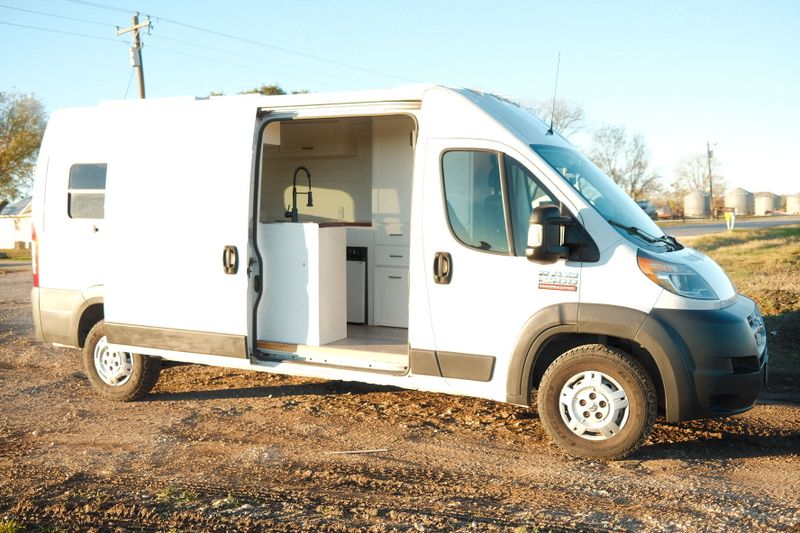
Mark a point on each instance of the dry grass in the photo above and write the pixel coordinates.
(12, 254)
(763, 264)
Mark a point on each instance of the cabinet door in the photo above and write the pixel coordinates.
(391, 256)
(393, 233)
(391, 297)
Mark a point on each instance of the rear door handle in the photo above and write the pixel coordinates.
(442, 268)
(230, 259)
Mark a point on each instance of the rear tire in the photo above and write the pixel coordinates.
(597, 402)
(118, 376)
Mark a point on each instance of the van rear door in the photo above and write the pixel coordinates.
(177, 214)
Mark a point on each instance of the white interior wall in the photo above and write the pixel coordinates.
(341, 184)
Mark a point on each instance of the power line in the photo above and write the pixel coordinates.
(253, 58)
(213, 60)
(189, 43)
(204, 58)
(281, 49)
(101, 6)
(50, 30)
(245, 40)
(85, 21)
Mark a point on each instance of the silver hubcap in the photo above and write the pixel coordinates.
(593, 405)
(114, 368)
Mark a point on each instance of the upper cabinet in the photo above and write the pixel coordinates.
(392, 169)
(316, 139)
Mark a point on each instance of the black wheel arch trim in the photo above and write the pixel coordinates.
(669, 352)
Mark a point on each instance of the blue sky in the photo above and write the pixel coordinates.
(678, 72)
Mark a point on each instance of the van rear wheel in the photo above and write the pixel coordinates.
(119, 376)
(597, 402)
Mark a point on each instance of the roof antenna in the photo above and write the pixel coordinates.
(555, 91)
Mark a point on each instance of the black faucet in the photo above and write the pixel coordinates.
(293, 213)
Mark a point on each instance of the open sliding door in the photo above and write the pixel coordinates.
(178, 211)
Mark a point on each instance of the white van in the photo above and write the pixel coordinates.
(423, 237)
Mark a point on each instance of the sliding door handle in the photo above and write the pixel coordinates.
(230, 259)
(442, 268)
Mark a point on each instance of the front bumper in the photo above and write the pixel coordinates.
(722, 353)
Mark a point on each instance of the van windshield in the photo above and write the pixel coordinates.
(600, 191)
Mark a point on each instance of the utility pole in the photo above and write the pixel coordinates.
(136, 49)
(710, 153)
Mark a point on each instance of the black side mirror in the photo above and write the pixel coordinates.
(545, 236)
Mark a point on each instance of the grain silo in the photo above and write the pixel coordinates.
(766, 203)
(793, 204)
(697, 204)
(741, 201)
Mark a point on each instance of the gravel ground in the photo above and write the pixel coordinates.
(226, 450)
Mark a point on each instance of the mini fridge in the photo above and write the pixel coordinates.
(357, 284)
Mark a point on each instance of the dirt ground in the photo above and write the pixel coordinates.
(223, 450)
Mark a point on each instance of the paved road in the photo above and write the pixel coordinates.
(9, 266)
(693, 230)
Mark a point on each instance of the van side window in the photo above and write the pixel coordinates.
(87, 190)
(525, 193)
(474, 199)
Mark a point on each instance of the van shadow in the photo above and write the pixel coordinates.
(730, 445)
(279, 391)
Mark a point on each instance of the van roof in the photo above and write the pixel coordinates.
(411, 93)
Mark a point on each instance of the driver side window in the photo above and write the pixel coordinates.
(473, 195)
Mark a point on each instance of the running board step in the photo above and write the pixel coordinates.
(335, 356)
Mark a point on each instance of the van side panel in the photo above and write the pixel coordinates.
(69, 244)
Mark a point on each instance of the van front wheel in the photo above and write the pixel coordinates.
(119, 376)
(598, 402)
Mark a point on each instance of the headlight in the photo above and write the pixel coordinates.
(677, 278)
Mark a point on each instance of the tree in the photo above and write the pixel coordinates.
(266, 90)
(568, 117)
(626, 160)
(22, 123)
(691, 174)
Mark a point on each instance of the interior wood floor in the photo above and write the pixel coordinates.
(375, 339)
(364, 343)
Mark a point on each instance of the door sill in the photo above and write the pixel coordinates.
(368, 348)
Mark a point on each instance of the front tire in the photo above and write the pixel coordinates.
(597, 402)
(118, 376)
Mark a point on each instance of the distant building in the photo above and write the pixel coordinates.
(793, 204)
(697, 204)
(15, 225)
(741, 201)
(766, 203)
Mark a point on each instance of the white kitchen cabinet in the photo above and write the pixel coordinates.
(317, 139)
(305, 284)
(392, 233)
(395, 256)
(391, 297)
